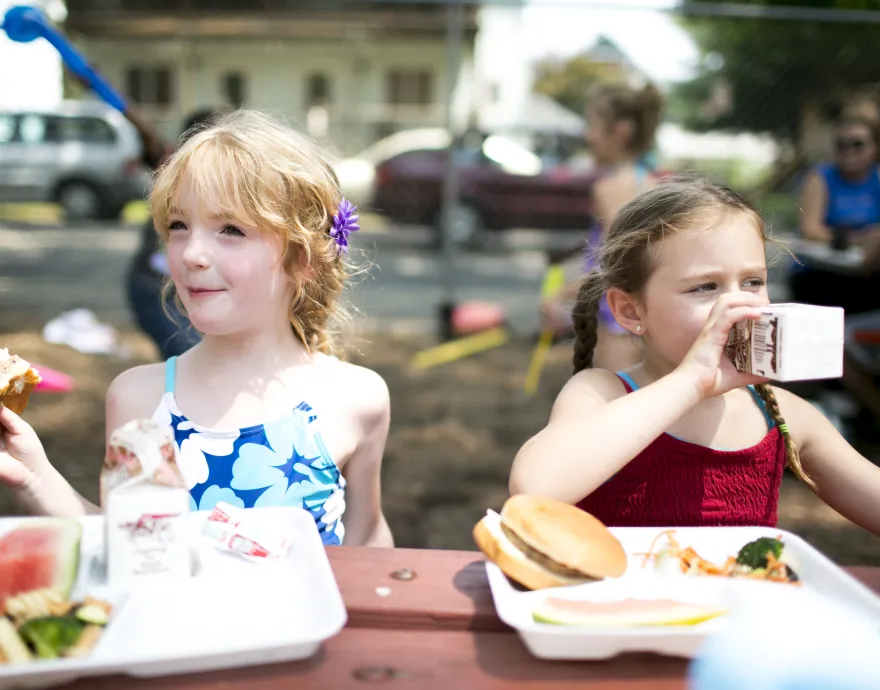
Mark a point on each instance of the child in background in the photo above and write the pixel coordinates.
(148, 269)
(622, 124)
(682, 438)
(263, 412)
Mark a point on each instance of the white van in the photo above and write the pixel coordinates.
(82, 155)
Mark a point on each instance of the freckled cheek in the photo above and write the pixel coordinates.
(175, 259)
(678, 322)
(256, 281)
(695, 317)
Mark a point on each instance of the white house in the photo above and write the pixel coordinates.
(349, 73)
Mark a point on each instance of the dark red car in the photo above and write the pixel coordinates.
(501, 186)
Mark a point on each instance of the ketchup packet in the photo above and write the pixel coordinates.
(232, 529)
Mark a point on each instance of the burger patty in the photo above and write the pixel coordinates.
(543, 560)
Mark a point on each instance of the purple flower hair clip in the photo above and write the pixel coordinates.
(345, 222)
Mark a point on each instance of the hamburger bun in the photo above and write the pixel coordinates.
(541, 542)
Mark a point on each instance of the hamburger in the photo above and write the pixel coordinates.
(17, 380)
(541, 542)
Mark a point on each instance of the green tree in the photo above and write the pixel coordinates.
(567, 81)
(771, 67)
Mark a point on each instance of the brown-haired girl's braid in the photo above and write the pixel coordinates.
(791, 451)
(585, 316)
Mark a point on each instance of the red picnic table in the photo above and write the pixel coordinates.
(436, 628)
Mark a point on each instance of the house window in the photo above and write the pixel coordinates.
(410, 87)
(234, 88)
(149, 85)
(318, 89)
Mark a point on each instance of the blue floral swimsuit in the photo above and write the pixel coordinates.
(282, 463)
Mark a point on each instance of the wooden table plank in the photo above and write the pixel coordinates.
(449, 590)
(422, 660)
(867, 575)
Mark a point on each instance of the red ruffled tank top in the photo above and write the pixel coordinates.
(675, 483)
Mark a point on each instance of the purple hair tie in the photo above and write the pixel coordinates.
(345, 222)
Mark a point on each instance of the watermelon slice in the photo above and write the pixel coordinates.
(42, 553)
(627, 613)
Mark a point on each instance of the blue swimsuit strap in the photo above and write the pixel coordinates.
(757, 396)
(170, 373)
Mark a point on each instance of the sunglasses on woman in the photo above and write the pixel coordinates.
(843, 144)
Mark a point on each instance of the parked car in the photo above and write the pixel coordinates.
(82, 155)
(357, 174)
(502, 185)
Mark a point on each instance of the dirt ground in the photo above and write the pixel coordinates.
(455, 430)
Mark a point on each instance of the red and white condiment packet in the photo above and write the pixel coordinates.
(231, 529)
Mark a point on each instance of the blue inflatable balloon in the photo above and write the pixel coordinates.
(24, 24)
(791, 643)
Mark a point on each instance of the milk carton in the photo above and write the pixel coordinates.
(145, 504)
(790, 342)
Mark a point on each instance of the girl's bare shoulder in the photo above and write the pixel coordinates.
(588, 389)
(361, 392)
(135, 394)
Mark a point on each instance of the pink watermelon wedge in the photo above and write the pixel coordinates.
(42, 552)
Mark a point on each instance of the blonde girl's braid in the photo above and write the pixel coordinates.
(791, 452)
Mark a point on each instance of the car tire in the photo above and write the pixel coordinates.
(80, 201)
(111, 211)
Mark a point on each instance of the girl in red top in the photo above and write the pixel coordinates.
(682, 438)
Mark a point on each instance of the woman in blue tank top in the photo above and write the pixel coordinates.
(841, 207)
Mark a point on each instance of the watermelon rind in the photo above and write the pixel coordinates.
(67, 555)
(693, 616)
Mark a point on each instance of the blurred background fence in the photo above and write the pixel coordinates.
(752, 88)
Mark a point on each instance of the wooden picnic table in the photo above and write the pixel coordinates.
(425, 619)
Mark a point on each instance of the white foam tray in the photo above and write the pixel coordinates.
(820, 577)
(231, 613)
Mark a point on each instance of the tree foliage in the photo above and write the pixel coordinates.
(567, 81)
(772, 67)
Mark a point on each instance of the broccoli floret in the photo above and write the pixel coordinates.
(754, 554)
(51, 636)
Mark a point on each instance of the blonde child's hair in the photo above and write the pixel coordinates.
(261, 173)
(627, 258)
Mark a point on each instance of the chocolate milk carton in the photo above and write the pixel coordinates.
(146, 504)
(790, 342)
